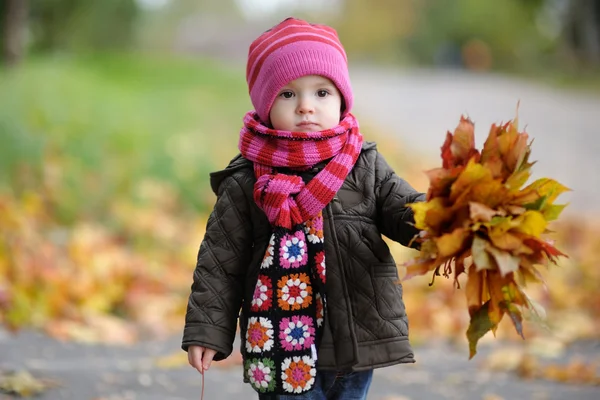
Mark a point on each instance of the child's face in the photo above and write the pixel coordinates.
(308, 104)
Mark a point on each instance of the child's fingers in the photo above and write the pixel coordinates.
(209, 354)
(195, 357)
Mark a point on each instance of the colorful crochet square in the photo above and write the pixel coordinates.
(320, 263)
(259, 335)
(314, 229)
(263, 293)
(268, 258)
(261, 374)
(298, 374)
(292, 250)
(296, 333)
(294, 292)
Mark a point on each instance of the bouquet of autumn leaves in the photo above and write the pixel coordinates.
(479, 220)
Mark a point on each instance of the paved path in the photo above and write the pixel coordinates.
(116, 373)
(420, 106)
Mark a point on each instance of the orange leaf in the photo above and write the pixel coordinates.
(471, 175)
(490, 155)
(506, 241)
(447, 157)
(491, 146)
(419, 267)
(459, 148)
(517, 152)
(492, 193)
(451, 244)
(474, 290)
(440, 181)
(437, 217)
(494, 283)
(524, 197)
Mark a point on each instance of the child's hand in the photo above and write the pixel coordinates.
(200, 357)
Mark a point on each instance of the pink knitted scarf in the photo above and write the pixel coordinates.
(285, 199)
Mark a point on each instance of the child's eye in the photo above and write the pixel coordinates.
(286, 95)
(322, 93)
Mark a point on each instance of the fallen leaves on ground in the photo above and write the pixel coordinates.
(174, 360)
(481, 221)
(530, 366)
(576, 371)
(23, 384)
(492, 397)
(91, 329)
(97, 281)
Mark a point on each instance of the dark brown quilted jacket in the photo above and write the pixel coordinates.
(366, 324)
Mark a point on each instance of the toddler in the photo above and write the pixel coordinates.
(293, 247)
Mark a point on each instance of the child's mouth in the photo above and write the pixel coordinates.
(307, 124)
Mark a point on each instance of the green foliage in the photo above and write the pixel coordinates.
(81, 24)
(508, 29)
(440, 32)
(92, 127)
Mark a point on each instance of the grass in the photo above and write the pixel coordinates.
(92, 126)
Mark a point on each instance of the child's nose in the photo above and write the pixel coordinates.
(305, 106)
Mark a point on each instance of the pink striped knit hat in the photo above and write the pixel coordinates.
(290, 50)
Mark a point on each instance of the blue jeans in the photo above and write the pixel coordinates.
(332, 385)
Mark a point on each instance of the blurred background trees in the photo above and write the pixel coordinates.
(66, 25)
(512, 35)
(582, 29)
(13, 23)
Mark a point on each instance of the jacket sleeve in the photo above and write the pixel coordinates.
(395, 219)
(218, 286)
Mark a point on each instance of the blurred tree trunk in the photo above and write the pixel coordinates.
(13, 25)
(583, 29)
